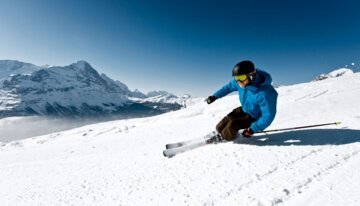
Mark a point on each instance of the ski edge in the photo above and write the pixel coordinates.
(177, 150)
(187, 142)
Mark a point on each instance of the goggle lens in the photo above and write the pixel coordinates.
(241, 78)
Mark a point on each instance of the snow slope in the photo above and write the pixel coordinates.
(121, 162)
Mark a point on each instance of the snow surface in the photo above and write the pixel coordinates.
(121, 162)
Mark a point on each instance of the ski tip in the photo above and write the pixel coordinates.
(174, 145)
(166, 155)
(337, 123)
(169, 146)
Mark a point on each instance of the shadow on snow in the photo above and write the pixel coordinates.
(310, 137)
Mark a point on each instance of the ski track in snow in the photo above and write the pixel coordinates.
(313, 95)
(121, 162)
(297, 186)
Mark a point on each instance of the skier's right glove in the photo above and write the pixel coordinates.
(247, 133)
(210, 99)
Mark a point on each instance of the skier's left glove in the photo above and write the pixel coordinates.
(248, 132)
(210, 99)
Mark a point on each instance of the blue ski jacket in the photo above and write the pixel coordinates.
(257, 99)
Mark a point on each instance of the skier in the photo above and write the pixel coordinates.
(257, 97)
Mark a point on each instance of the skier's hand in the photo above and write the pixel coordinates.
(248, 132)
(210, 99)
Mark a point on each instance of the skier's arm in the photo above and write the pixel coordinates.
(267, 101)
(227, 89)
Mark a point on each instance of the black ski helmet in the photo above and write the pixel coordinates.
(243, 67)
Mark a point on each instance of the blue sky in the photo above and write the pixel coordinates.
(184, 46)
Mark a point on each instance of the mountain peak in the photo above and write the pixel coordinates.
(82, 65)
(14, 64)
(9, 68)
(159, 93)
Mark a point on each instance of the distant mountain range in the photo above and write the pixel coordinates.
(76, 90)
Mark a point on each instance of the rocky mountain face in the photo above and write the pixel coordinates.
(76, 90)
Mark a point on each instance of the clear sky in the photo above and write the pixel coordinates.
(184, 46)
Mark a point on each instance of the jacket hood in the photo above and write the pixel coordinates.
(262, 78)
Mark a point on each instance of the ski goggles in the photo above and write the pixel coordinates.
(241, 78)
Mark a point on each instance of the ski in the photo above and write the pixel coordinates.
(190, 146)
(179, 147)
(183, 143)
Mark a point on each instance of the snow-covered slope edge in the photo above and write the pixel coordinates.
(336, 73)
(121, 162)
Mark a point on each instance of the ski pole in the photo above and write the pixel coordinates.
(302, 127)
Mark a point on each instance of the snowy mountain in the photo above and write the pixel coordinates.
(9, 68)
(74, 90)
(159, 93)
(121, 162)
(335, 73)
(163, 97)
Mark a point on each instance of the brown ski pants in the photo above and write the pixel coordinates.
(230, 125)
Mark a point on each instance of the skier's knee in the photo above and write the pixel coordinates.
(222, 124)
(230, 131)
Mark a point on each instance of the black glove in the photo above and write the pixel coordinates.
(248, 132)
(210, 99)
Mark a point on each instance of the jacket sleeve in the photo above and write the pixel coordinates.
(267, 102)
(227, 89)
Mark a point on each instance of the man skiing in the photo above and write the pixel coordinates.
(257, 97)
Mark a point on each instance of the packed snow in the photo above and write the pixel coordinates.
(121, 162)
